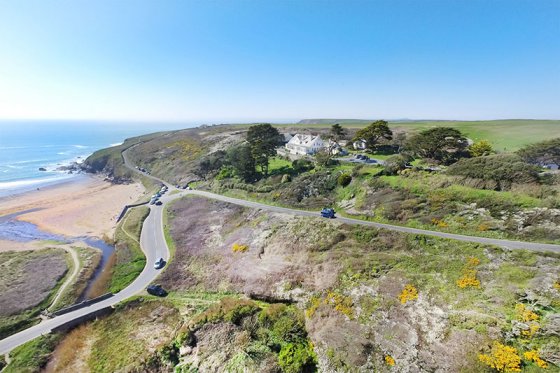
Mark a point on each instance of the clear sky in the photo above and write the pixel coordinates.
(279, 60)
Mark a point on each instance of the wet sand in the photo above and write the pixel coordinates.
(84, 206)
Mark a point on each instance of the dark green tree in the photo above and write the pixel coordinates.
(542, 153)
(337, 132)
(242, 161)
(443, 144)
(263, 140)
(374, 133)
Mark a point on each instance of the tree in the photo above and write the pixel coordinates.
(443, 144)
(481, 148)
(337, 132)
(242, 161)
(323, 157)
(542, 153)
(263, 140)
(399, 141)
(210, 163)
(374, 133)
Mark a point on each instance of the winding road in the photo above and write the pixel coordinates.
(152, 242)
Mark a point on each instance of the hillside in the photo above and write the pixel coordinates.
(251, 290)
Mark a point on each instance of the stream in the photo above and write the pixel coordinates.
(21, 231)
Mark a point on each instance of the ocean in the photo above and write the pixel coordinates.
(27, 146)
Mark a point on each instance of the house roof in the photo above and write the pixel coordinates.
(304, 140)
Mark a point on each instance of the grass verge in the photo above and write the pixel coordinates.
(129, 258)
(33, 355)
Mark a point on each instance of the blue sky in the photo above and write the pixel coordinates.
(215, 61)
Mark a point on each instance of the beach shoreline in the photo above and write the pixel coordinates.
(86, 205)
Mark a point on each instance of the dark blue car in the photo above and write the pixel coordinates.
(327, 212)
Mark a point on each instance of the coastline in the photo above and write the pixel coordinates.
(84, 205)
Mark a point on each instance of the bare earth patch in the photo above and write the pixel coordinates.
(28, 277)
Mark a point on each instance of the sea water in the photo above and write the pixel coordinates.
(27, 146)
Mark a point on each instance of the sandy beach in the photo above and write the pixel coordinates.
(85, 206)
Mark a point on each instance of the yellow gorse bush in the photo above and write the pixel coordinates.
(533, 356)
(439, 223)
(502, 358)
(314, 303)
(339, 302)
(237, 248)
(525, 314)
(409, 293)
(469, 274)
(389, 360)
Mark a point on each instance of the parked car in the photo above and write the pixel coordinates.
(153, 200)
(159, 263)
(159, 203)
(156, 290)
(328, 212)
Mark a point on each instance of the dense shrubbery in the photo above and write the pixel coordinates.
(395, 164)
(343, 180)
(210, 164)
(276, 328)
(499, 171)
(302, 165)
(542, 153)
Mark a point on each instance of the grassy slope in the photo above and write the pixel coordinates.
(370, 267)
(32, 356)
(130, 260)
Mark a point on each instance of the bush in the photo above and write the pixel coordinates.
(297, 357)
(501, 170)
(302, 165)
(226, 172)
(395, 164)
(502, 358)
(343, 180)
(237, 248)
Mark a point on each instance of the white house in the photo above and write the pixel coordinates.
(360, 144)
(305, 144)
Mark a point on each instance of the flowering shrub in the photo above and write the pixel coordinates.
(525, 314)
(237, 248)
(533, 329)
(528, 316)
(341, 303)
(469, 274)
(389, 360)
(533, 356)
(483, 227)
(314, 303)
(439, 223)
(502, 358)
(409, 293)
